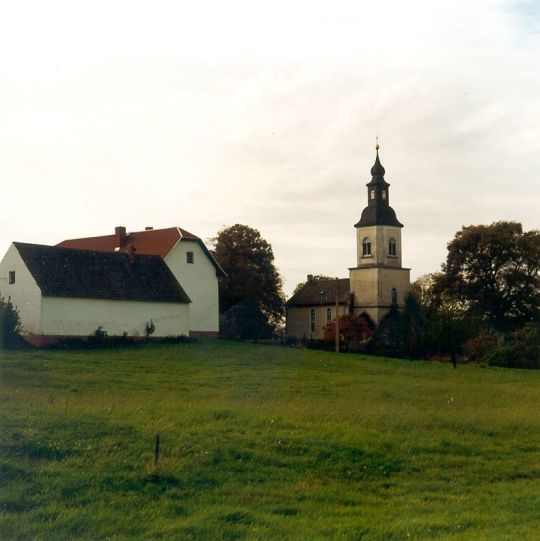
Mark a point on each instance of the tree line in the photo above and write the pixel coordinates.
(484, 304)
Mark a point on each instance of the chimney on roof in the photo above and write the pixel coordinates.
(310, 278)
(148, 228)
(120, 233)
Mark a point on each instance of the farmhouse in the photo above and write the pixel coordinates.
(375, 284)
(186, 256)
(62, 292)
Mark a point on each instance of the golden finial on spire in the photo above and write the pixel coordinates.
(377, 140)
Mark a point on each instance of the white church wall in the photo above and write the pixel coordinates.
(24, 292)
(81, 317)
(200, 282)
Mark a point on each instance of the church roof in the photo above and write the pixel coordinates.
(377, 171)
(321, 292)
(378, 210)
(68, 272)
(150, 242)
(378, 215)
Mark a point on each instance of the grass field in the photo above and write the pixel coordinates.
(262, 442)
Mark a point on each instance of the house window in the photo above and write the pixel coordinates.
(312, 320)
(190, 257)
(372, 194)
(394, 296)
(366, 247)
(328, 315)
(11, 279)
(392, 251)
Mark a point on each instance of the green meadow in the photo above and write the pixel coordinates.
(264, 442)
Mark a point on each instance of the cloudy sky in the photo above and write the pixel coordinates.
(209, 113)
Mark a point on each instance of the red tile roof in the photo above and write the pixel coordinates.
(149, 242)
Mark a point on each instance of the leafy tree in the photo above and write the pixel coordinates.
(446, 332)
(388, 338)
(10, 324)
(245, 321)
(252, 285)
(430, 323)
(493, 270)
(354, 330)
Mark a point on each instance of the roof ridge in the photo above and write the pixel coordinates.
(68, 248)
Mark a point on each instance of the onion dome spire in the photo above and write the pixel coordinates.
(378, 210)
(377, 170)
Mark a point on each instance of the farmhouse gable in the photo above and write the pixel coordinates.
(187, 257)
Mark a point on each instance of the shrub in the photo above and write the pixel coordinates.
(476, 348)
(10, 324)
(521, 349)
(150, 328)
(354, 332)
(99, 336)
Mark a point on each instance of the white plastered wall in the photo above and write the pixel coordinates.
(81, 317)
(24, 293)
(199, 281)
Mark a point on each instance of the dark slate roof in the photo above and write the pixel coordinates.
(378, 211)
(380, 214)
(310, 294)
(377, 171)
(67, 272)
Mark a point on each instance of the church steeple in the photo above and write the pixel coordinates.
(377, 170)
(378, 211)
(378, 282)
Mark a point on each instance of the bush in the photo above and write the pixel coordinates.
(354, 332)
(476, 349)
(150, 328)
(99, 336)
(10, 325)
(521, 349)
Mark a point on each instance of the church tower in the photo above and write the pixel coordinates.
(378, 282)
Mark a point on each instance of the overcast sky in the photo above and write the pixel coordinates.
(204, 114)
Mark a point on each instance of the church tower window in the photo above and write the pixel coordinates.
(366, 247)
(394, 296)
(372, 194)
(392, 249)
